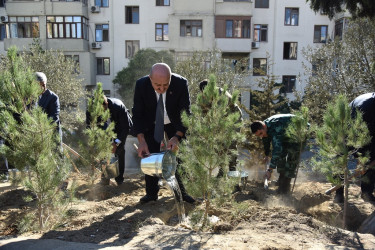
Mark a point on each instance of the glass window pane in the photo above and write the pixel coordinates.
(135, 15)
(50, 19)
(49, 30)
(74, 30)
(68, 19)
(105, 3)
(13, 30)
(61, 30)
(98, 36)
(27, 19)
(106, 66)
(166, 32)
(287, 16)
(79, 30)
(28, 30)
(21, 19)
(77, 19)
(59, 19)
(229, 28)
(35, 19)
(67, 30)
(99, 66)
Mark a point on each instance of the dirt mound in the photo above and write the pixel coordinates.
(112, 216)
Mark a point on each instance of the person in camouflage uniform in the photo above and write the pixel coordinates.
(285, 154)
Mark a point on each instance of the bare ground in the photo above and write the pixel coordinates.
(111, 216)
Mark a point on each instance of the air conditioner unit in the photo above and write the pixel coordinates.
(95, 9)
(4, 19)
(96, 45)
(255, 45)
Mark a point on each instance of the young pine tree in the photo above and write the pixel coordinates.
(298, 132)
(33, 143)
(96, 147)
(339, 138)
(212, 128)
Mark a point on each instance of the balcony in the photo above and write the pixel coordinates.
(41, 8)
(240, 45)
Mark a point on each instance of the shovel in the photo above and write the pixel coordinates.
(265, 179)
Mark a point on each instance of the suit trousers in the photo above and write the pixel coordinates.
(152, 187)
(120, 153)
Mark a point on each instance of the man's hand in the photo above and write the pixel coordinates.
(173, 144)
(268, 174)
(143, 149)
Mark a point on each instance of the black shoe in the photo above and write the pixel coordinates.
(119, 183)
(188, 199)
(368, 197)
(148, 198)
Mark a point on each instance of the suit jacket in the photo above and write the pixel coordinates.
(119, 115)
(50, 104)
(145, 101)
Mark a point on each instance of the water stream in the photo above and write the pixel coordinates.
(173, 186)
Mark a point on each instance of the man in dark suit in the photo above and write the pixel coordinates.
(49, 102)
(173, 89)
(123, 122)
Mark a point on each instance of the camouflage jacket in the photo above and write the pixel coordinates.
(276, 126)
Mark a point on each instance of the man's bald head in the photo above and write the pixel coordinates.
(160, 77)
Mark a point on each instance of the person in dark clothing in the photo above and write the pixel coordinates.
(233, 108)
(285, 154)
(49, 102)
(366, 105)
(123, 122)
(174, 93)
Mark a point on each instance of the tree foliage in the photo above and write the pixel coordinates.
(96, 145)
(62, 78)
(343, 66)
(139, 66)
(357, 8)
(338, 139)
(207, 146)
(32, 141)
(202, 64)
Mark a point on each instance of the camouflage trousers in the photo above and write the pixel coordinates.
(289, 160)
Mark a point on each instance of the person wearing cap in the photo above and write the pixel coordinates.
(49, 102)
(171, 91)
(285, 154)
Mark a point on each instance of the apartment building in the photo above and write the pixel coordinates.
(103, 35)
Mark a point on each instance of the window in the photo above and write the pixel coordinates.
(67, 27)
(261, 3)
(102, 66)
(132, 48)
(24, 27)
(232, 27)
(131, 14)
(191, 28)
(239, 62)
(162, 3)
(102, 33)
(320, 33)
(259, 66)
(260, 32)
(2, 3)
(102, 3)
(290, 51)
(161, 32)
(3, 33)
(289, 82)
(340, 26)
(291, 16)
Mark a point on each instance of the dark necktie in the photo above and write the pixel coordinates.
(159, 120)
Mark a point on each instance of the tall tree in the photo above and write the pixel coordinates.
(357, 8)
(339, 138)
(62, 78)
(32, 141)
(342, 66)
(207, 146)
(201, 64)
(140, 65)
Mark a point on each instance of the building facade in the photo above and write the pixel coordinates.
(103, 35)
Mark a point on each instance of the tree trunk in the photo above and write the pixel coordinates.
(346, 197)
